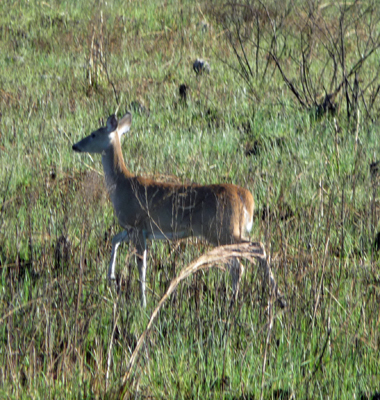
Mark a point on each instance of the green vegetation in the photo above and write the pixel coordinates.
(66, 66)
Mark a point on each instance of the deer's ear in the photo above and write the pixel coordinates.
(125, 124)
(111, 123)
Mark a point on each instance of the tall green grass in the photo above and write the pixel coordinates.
(62, 330)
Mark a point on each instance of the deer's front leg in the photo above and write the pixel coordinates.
(116, 240)
(141, 265)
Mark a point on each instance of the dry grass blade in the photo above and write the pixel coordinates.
(220, 254)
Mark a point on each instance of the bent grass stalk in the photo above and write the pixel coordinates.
(221, 254)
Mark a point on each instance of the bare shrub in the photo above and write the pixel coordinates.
(325, 53)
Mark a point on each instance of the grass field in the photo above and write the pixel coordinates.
(65, 67)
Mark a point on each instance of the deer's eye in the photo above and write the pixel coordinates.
(93, 135)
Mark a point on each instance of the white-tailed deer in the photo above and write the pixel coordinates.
(146, 209)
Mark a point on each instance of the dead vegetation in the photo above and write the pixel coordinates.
(324, 53)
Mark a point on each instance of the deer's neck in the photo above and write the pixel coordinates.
(114, 167)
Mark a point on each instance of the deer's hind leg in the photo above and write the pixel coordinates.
(236, 269)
